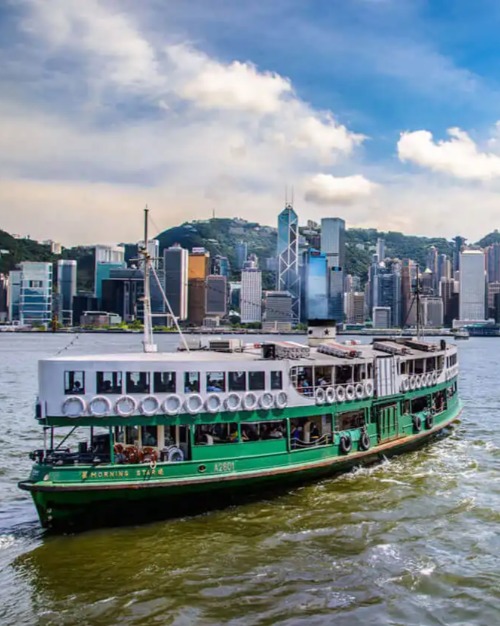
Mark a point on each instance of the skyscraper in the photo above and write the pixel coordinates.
(216, 295)
(333, 247)
(459, 243)
(288, 257)
(380, 251)
(35, 296)
(66, 290)
(241, 249)
(107, 258)
(472, 285)
(314, 286)
(198, 268)
(4, 287)
(432, 265)
(175, 265)
(251, 293)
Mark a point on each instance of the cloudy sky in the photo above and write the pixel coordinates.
(383, 112)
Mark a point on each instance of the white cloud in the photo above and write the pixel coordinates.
(459, 156)
(325, 189)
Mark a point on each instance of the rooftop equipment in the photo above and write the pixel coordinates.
(336, 349)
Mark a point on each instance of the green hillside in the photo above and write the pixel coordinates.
(13, 251)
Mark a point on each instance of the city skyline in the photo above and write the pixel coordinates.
(111, 105)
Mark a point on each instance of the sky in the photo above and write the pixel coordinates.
(383, 112)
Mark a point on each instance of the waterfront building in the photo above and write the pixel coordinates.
(432, 312)
(234, 295)
(355, 307)
(472, 286)
(492, 290)
(381, 316)
(278, 306)
(333, 247)
(107, 258)
(175, 267)
(35, 295)
(427, 282)
(496, 308)
(83, 301)
(314, 286)
(66, 290)
(287, 278)
(216, 295)
(241, 249)
(123, 293)
(251, 293)
(389, 291)
(432, 265)
(444, 268)
(14, 295)
(198, 269)
(4, 288)
(458, 245)
(493, 263)
(448, 290)
(408, 311)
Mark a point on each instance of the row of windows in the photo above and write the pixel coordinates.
(172, 382)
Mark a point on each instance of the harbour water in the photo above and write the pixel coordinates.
(413, 541)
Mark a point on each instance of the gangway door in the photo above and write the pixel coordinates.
(385, 376)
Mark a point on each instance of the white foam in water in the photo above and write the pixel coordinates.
(6, 541)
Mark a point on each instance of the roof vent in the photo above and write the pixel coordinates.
(284, 350)
(336, 349)
(225, 345)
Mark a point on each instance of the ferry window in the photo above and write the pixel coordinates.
(164, 382)
(137, 382)
(343, 374)
(109, 382)
(359, 372)
(351, 419)
(276, 380)
(236, 381)
(74, 382)
(210, 434)
(369, 370)
(258, 431)
(131, 435)
(419, 404)
(149, 436)
(322, 376)
(216, 381)
(256, 381)
(192, 382)
(419, 366)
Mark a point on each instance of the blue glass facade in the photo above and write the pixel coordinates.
(288, 257)
(103, 272)
(35, 296)
(314, 286)
(66, 291)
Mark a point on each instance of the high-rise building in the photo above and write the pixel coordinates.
(14, 295)
(448, 290)
(472, 286)
(198, 269)
(175, 267)
(408, 311)
(216, 295)
(4, 288)
(333, 247)
(35, 296)
(220, 266)
(381, 316)
(492, 289)
(458, 244)
(287, 278)
(444, 267)
(251, 293)
(355, 307)
(433, 312)
(107, 258)
(241, 249)
(380, 250)
(493, 263)
(123, 293)
(314, 286)
(389, 293)
(66, 290)
(432, 265)
(278, 307)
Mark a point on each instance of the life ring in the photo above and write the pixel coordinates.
(429, 420)
(194, 403)
(99, 406)
(172, 404)
(434, 377)
(413, 383)
(266, 401)
(232, 402)
(429, 379)
(213, 403)
(360, 391)
(364, 441)
(150, 405)
(281, 400)
(419, 382)
(320, 395)
(350, 393)
(249, 401)
(417, 423)
(405, 385)
(175, 455)
(369, 388)
(345, 444)
(340, 393)
(330, 395)
(125, 406)
(73, 407)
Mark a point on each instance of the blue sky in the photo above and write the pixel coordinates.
(200, 105)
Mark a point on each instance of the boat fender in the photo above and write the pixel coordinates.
(281, 400)
(330, 395)
(429, 420)
(350, 392)
(99, 406)
(340, 393)
(250, 401)
(175, 455)
(369, 389)
(345, 444)
(213, 403)
(74, 406)
(417, 423)
(320, 395)
(364, 441)
(194, 403)
(172, 404)
(232, 402)
(360, 391)
(125, 406)
(149, 405)
(266, 401)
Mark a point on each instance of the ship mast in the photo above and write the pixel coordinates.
(148, 341)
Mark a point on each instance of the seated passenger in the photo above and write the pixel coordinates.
(314, 432)
(276, 433)
(106, 387)
(233, 437)
(77, 387)
(212, 386)
(244, 435)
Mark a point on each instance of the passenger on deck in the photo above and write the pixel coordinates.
(213, 386)
(276, 433)
(77, 387)
(314, 436)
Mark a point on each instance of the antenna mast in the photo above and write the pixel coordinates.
(148, 341)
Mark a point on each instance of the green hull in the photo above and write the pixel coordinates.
(72, 498)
